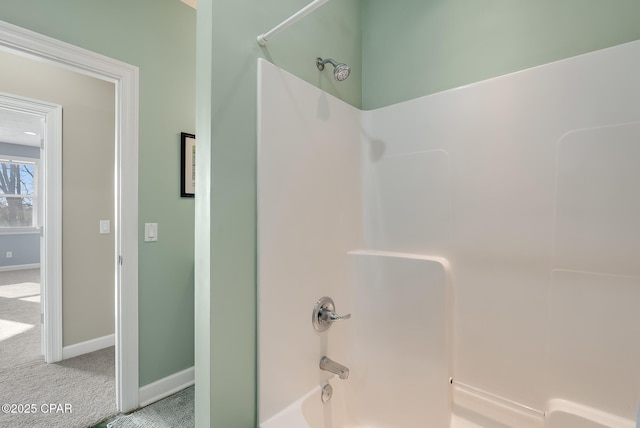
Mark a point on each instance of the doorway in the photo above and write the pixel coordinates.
(21, 217)
(24, 187)
(125, 78)
(24, 118)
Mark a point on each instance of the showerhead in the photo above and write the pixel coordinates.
(340, 71)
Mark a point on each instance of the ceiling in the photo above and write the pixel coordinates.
(14, 124)
(192, 3)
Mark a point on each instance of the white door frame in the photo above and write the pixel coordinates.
(49, 217)
(125, 77)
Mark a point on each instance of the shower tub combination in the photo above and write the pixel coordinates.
(465, 234)
(377, 375)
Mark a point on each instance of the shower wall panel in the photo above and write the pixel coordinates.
(310, 205)
(512, 180)
(595, 286)
(399, 343)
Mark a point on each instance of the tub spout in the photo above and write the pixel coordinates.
(333, 367)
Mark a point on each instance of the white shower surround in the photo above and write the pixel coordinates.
(525, 185)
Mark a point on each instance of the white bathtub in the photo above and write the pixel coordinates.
(309, 412)
(342, 412)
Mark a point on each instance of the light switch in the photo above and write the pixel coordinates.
(105, 227)
(150, 232)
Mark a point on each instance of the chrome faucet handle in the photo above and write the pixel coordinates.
(324, 314)
(330, 317)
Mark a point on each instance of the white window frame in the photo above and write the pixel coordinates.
(37, 209)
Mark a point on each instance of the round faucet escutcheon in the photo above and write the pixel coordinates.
(327, 393)
(324, 314)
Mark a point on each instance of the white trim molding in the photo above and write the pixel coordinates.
(19, 267)
(20, 41)
(21, 230)
(88, 346)
(166, 386)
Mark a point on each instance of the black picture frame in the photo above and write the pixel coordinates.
(187, 165)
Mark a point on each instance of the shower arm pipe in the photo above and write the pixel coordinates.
(264, 38)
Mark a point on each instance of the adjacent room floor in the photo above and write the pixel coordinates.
(78, 392)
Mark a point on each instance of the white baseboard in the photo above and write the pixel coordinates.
(491, 410)
(88, 346)
(19, 267)
(165, 387)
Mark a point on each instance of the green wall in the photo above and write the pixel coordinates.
(159, 38)
(422, 47)
(226, 212)
(427, 46)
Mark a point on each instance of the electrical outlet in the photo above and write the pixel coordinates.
(9, 254)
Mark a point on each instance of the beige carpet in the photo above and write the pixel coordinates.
(19, 317)
(78, 392)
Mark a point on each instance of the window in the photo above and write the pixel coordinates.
(18, 194)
